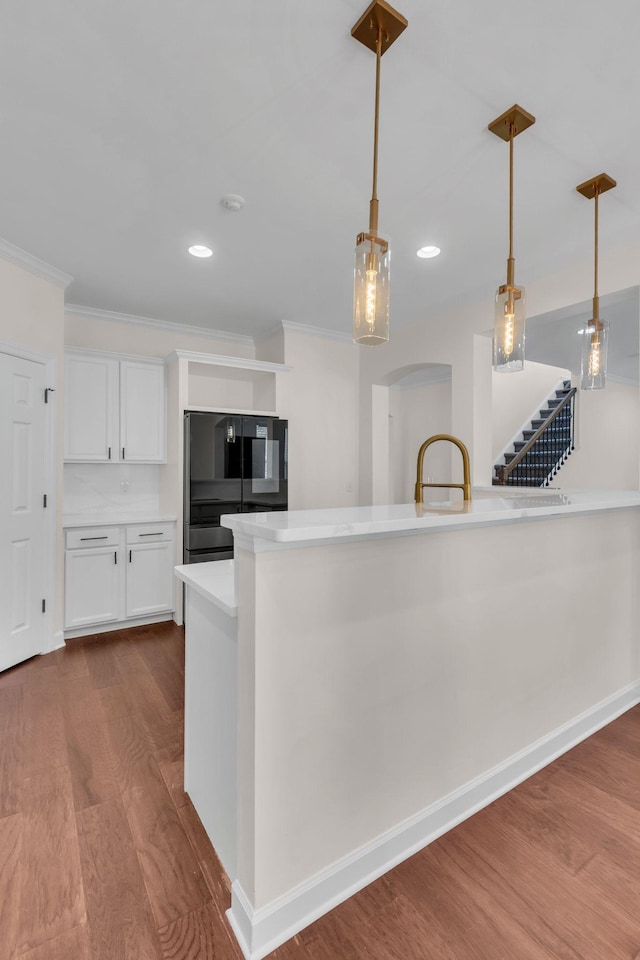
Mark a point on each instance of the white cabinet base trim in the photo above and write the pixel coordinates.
(90, 629)
(261, 931)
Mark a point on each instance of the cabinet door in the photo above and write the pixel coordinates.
(91, 586)
(142, 412)
(90, 408)
(149, 578)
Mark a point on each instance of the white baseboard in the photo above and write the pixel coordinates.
(91, 629)
(258, 932)
(57, 640)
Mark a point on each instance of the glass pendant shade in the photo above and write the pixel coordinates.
(371, 292)
(508, 336)
(594, 355)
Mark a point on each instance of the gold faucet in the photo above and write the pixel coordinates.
(466, 471)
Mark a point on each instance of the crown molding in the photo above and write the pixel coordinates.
(222, 360)
(323, 332)
(39, 268)
(113, 317)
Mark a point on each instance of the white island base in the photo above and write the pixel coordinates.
(397, 670)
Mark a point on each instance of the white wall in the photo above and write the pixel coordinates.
(319, 397)
(518, 398)
(31, 315)
(607, 451)
(415, 414)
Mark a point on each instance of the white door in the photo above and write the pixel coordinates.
(91, 586)
(22, 512)
(90, 408)
(149, 578)
(142, 411)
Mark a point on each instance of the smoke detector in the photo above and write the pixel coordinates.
(233, 202)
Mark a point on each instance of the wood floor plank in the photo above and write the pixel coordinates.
(116, 701)
(14, 676)
(12, 745)
(102, 664)
(200, 935)
(165, 727)
(571, 906)
(608, 766)
(534, 808)
(73, 945)
(10, 867)
(88, 746)
(166, 673)
(214, 873)
(173, 775)
(51, 897)
(613, 827)
(44, 746)
(495, 894)
(120, 919)
(131, 750)
(71, 661)
(173, 878)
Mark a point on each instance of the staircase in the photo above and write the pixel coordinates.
(544, 447)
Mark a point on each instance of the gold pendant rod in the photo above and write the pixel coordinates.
(596, 298)
(510, 191)
(373, 206)
(591, 189)
(510, 261)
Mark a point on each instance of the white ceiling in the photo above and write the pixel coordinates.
(123, 124)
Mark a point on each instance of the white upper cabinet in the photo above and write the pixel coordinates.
(114, 409)
(142, 412)
(90, 407)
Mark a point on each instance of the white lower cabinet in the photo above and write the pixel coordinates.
(92, 587)
(149, 578)
(115, 574)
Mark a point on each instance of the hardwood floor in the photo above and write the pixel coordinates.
(102, 856)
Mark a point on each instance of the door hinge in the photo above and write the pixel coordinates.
(44, 606)
(44, 500)
(47, 391)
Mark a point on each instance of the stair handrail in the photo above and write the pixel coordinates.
(504, 470)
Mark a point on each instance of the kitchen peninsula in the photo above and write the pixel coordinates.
(360, 680)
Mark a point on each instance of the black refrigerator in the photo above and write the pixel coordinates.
(232, 464)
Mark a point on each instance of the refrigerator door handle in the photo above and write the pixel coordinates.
(187, 468)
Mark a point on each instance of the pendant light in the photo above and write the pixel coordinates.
(377, 28)
(508, 340)
(596, 331)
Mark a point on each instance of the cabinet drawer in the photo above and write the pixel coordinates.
(93, 537)
(149, 532)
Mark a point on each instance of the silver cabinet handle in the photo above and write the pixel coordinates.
(95, 538)
(158, 534)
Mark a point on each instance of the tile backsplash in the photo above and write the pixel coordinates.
(111, 488)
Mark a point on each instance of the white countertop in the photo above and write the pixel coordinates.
(113, 520)
(489, 505)
(214, 580)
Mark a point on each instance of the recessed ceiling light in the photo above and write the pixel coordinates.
(427, 252)
(198, 250)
